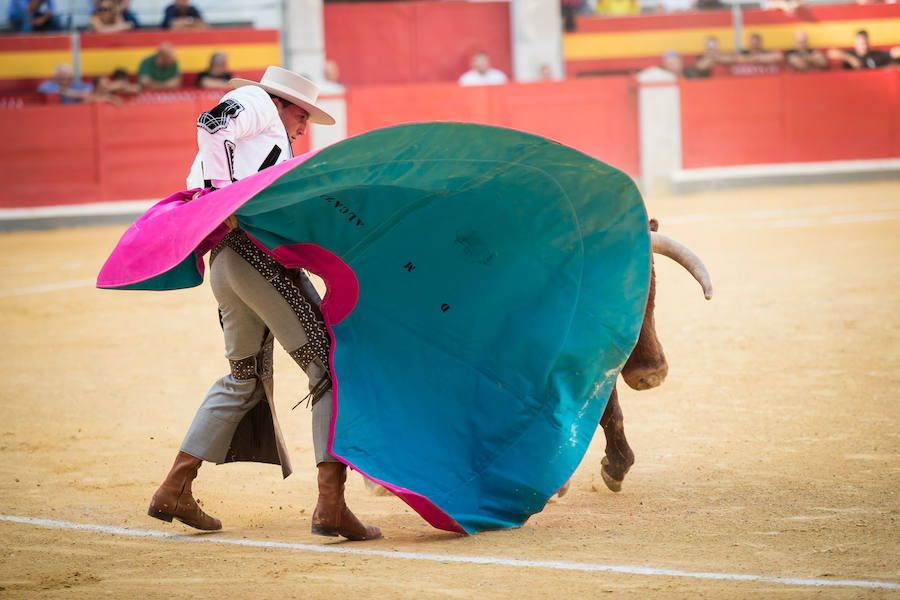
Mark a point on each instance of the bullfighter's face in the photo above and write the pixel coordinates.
(293, 118)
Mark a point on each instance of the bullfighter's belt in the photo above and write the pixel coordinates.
(287, 283)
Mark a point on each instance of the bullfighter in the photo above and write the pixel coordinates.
(251, 129)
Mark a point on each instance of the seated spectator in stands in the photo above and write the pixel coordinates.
(803, 58)
(788, 7)
(108, 18)
(618, 7)
(65, 87)
(755, 53)
(861, 56)
(671, 6)
(117, 84)
(482, 73)
(569, 10)
(216, 75)
(33, 15)
(673, 64)
(127, 13)
(755, 60)
(710, 5)
(331, 83)
(712, 56)
(895, 54)
(160, 71)
(181, 15)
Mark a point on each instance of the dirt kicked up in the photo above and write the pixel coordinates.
(771, 451)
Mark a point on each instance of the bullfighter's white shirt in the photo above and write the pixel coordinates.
(243, 134)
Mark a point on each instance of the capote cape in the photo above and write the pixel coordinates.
(484, 289)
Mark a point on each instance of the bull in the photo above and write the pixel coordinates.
(645, 368)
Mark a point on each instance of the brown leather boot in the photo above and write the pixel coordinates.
(332, 517)
(174, 498)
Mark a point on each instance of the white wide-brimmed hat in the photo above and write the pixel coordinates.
(294, 88)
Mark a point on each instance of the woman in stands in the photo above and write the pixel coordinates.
(108, 18)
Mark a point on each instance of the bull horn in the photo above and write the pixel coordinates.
(684, 256)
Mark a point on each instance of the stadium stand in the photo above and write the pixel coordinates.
(27, 60)
(405, 69)
(625, 44)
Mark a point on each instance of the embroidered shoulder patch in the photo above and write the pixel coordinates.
(217, 118)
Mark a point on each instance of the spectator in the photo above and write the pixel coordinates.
(108, 18)
(160, 71)
(756, 54)
(712, 56)
(788, 7)
(545, 73)
(755, 60)
(673, 63)
(127, 13)
(803, 58)
(65, 87)
(670, 6)
(33, 15)
(618, 7)
(332, 83)
(181, 15)
(569, 10)
(710, 5)
(861, 56)
(117, 84)
(217, 75)
(482, 73)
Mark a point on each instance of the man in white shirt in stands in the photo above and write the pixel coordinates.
(482, 73)
(249, 130)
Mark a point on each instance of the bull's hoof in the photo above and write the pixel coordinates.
(376, 489)
(611, 482)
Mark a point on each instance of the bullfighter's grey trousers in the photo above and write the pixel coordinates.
(249, 304)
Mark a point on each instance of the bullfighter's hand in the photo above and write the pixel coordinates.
(231, 222)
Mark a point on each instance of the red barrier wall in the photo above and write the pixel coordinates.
(56, 155)
(48, 152)
(598, 117)
(795, 117)
(76, 154)
(415, 42)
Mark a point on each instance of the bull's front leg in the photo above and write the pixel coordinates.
(619, 456)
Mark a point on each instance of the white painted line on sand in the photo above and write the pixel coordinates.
(451, 558)
(77, 210)
(886, 165)
(50, 287)
(813, 216)
(864, 217)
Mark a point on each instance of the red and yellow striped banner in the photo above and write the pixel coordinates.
(34, 57)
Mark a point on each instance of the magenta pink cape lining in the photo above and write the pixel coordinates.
(173, 229)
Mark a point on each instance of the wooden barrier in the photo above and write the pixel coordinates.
(598, 117)
(794, 117)
(76, 154)
(57, 155)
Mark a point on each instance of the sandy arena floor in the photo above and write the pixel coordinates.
(772, 450)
